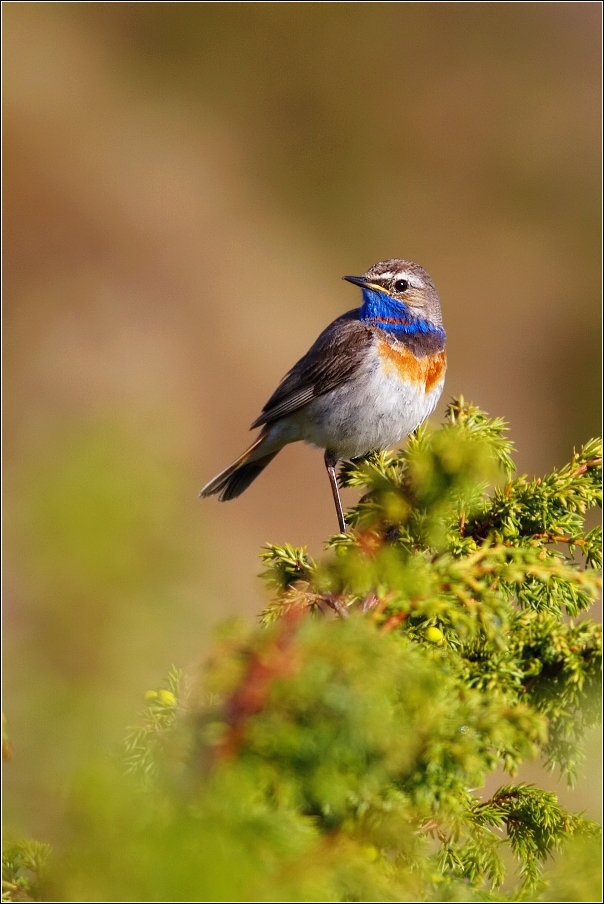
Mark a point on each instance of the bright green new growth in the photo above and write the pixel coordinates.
(342, 758)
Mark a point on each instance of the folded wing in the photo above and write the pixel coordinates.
(335, 356)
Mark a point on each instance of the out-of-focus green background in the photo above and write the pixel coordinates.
(184, 185)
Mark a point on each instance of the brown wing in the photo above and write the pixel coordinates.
(336, 354)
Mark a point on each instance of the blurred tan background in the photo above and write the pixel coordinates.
(184, 186)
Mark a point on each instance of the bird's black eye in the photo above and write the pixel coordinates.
(401, 285)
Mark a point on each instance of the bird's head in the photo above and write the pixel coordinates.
(398, 289)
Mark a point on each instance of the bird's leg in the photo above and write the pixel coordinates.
(331, 460)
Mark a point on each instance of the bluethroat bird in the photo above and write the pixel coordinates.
(371, 378)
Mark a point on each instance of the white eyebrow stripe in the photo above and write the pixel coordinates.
(411, 278)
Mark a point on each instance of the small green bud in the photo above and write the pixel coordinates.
(434, 635)
(167, 698)
(371, 852)
(150, 696)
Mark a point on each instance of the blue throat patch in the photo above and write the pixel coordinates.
(393, 316)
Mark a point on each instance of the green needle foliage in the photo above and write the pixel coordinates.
(338, 752)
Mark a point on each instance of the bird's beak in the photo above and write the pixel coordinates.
(361, 281)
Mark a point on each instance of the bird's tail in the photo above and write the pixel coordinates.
(237, 477)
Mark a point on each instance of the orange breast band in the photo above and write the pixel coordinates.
(428, 371)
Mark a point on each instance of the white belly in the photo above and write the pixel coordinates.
(376, 410)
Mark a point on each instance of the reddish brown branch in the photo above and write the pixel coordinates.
(275, 660)
(393, 622)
